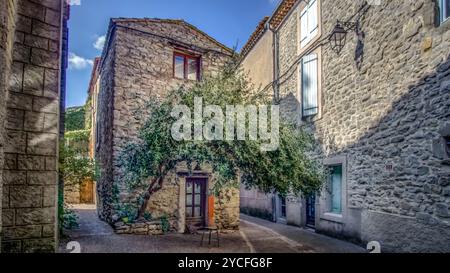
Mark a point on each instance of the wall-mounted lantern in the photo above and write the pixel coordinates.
(338, 36)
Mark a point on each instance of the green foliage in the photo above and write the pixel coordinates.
(74, 119)
(78, 141)
(147, 216)
(288, 169)
(75, 168)
(127, 213)
(80, 135)
(165, 225)
(67, 219)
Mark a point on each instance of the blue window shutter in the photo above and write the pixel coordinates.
(310, 86)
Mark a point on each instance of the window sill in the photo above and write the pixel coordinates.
(186, 80)
(311, 119)
(333, 217)
(305, 48)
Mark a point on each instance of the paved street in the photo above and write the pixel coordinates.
(254, 236)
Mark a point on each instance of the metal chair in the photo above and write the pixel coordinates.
(210, 231)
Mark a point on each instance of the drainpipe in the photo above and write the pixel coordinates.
(276, 68)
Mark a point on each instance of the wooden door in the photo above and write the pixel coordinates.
(87, 192)
(196, 201)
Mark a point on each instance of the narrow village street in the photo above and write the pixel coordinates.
(255, 236)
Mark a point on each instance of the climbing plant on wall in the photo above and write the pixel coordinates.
(148, 161)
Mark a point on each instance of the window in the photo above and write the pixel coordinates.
(336, 189)
(186, 67)
(444, 10)
(309, 23)
(310, 85)
(195, 198)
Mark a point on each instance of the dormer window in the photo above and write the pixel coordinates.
(186, 66)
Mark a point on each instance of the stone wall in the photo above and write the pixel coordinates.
(31, 129)
(385, 112)
(137, 66)
(7, 25)
(170, 202)
(103, 131)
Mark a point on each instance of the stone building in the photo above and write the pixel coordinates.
(380, 114)
(32, 65)
(141, 61)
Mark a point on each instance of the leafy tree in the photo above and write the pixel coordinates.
(147, 162)
(74, 119)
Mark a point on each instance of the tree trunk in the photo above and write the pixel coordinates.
(155, 186)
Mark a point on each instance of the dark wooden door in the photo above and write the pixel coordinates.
(311, 211)
(196, 201)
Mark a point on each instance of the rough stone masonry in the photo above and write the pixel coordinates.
(137, 66)
(384, 110)
(30, 62)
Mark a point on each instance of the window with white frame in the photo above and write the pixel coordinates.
(310, 85)
(309, 22)
(444, 10)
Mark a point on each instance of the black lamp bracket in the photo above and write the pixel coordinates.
(348, 26)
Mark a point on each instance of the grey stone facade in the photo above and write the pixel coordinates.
(384, 108)
(136, 67)
(30, 54)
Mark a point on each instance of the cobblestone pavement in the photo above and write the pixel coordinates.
(255, 235)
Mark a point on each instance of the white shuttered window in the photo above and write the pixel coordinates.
(309, 23)
(310, 85)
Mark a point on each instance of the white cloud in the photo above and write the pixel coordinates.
(100, 42)
(74, 2)
(77, 62)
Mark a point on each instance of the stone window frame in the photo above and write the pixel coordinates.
(318, 116)
(181, 177)
(324, 208)
(186, 56)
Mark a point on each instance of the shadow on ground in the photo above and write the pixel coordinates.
(255, 235)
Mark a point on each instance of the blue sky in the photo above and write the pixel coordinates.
(229, 21)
